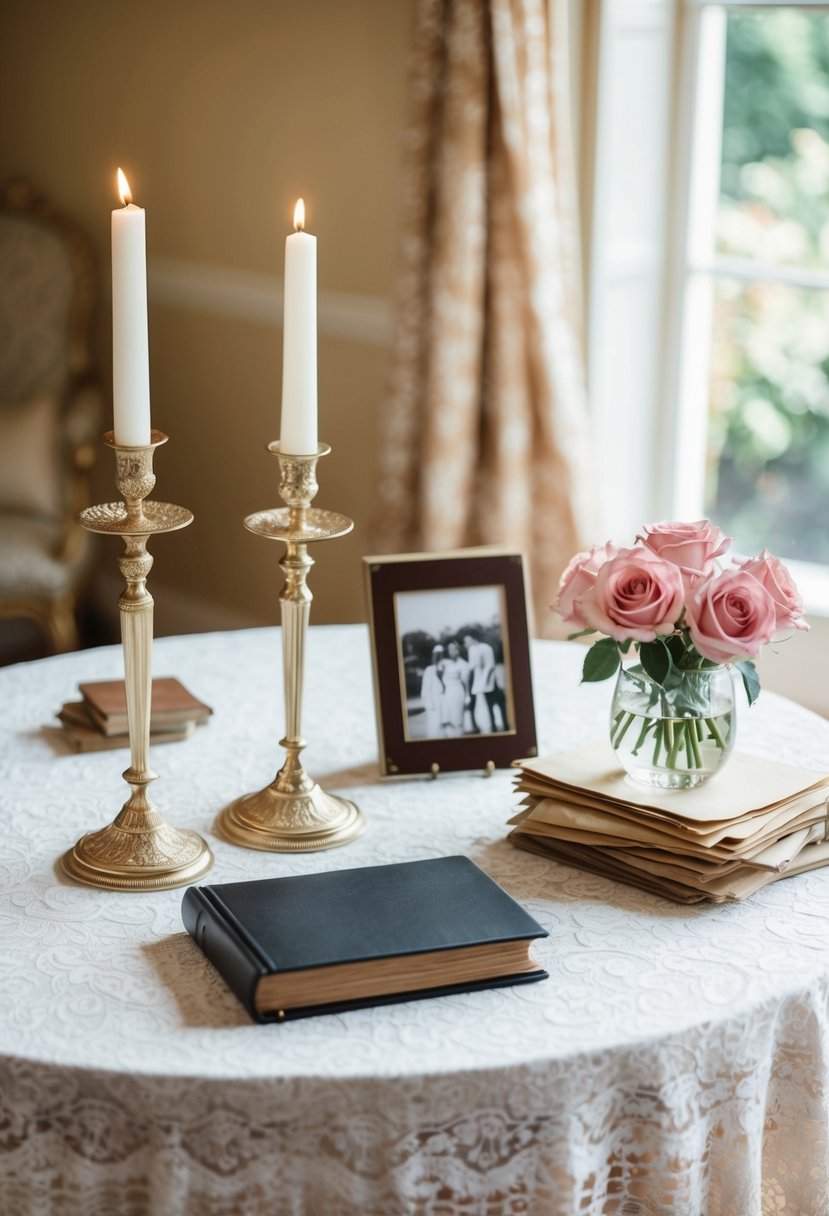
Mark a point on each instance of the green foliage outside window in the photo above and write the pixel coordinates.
(768, 475)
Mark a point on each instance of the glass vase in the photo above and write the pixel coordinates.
(673, 736)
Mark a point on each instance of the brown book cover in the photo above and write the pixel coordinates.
(106, 704)
(73, 713)
(90, 739)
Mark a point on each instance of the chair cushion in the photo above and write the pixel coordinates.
(29, 458)
(28, 566)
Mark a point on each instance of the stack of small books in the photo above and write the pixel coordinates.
(99, 719)
(755, 822)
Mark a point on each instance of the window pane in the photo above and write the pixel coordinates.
(774, 190)
(768, 449)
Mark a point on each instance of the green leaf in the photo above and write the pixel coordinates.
(582, 633)
(656, 659)
(676, 646)
(601, 661)
(751, 680)
(694, 701)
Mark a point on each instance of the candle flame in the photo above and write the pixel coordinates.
(299, 215)
(124, 188)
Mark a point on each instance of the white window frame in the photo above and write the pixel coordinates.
(628, 234)
(657, 265)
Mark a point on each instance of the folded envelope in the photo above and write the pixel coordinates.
(563, 817)
(721, 880)
(733, 887)
(747, 785)
(709, 861)
(776, 856)
(759, 821)
(734, 827)
(595, 864)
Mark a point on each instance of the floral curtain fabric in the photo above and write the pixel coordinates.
(484, 433)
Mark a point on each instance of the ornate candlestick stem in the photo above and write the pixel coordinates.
(293, 812)
(138, 851)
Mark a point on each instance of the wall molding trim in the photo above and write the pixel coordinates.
(248, 295)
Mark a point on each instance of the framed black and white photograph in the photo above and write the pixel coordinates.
(450, 650)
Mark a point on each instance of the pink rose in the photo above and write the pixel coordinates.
(770, 571)
(730, 616)
(578, 578)
(635, 595)
(692, 547)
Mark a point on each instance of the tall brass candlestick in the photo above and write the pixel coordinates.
(293, 813)
(138, 851)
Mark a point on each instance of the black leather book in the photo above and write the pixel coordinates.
(321, 943)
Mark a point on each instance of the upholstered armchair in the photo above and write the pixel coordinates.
(50, 406)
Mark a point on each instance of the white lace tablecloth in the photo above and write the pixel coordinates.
(675, 1062)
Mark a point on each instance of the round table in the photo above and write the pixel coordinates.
(675, 1061)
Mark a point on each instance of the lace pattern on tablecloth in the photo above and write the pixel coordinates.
(674, 1064)
(657, 1130)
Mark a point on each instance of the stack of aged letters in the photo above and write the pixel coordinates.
(753, 823)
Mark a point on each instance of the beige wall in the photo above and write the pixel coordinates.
(222, 114)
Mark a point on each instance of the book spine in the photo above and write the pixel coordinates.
(220, 942)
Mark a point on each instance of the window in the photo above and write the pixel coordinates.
(753, 371)
(709, 367)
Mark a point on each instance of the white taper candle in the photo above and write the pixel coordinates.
(298, 431)
(130, 342)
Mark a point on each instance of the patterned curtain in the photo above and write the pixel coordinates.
(484, 433)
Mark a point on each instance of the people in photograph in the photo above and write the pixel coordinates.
(432, 691)
(481, 659)
(498, 696)
(454, 671)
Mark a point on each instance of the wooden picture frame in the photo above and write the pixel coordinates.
(451, 660)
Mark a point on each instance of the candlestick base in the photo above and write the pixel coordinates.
(138, 851)
(292, 815)
(281, 822)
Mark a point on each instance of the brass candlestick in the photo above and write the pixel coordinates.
(138, 851)
(293, 813)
